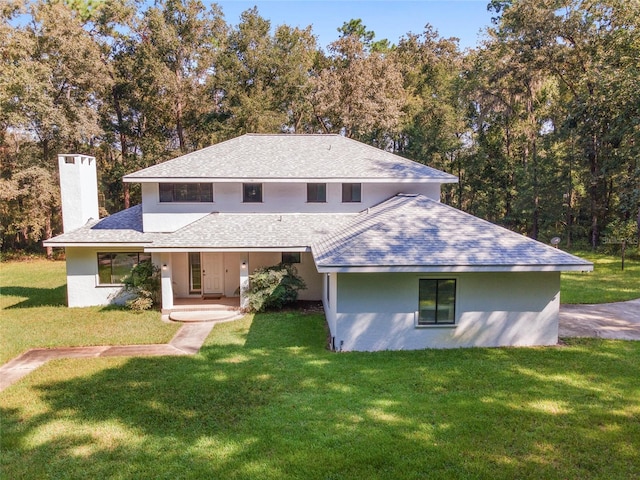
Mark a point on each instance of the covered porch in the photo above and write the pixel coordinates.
(215, 280)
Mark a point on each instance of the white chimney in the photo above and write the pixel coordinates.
(78, 189)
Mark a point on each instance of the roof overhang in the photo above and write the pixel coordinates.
(225, 249)
(96, 244)
(131, 179)
(453, 268)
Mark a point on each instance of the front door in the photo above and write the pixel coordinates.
(212, 274)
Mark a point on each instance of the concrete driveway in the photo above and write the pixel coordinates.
(607, 320)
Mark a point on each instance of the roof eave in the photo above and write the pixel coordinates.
(131, 179)
(64, 244)
(169, 249)
(452, 268)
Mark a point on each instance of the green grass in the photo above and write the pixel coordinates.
(607, 283)
(34, 314)
(265, 400)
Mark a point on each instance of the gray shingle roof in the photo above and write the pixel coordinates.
(406, 232)
(122, 227)
(253, 230)
(291, 157)
(417, 233)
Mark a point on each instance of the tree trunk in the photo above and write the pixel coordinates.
(123, 144)
(593, 192)
(48, 233)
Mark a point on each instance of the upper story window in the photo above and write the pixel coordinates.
(437, 301)
(290, 257)
(351, 192)
(316, 192)
(252, 192)
(186, 192)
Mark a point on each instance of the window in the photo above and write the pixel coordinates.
(290, 257)
(195, 273)
(351, 192)
(252, 192)
(437, 302)
(186, 192)
(113, 267)
(316, 192)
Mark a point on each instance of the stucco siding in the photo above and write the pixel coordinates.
(306, 269)
(377, 311)
(277, 198)
(82, 279)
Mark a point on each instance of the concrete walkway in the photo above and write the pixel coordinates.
(606, 320)
(187, 341)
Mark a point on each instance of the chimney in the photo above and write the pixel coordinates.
(78, 189)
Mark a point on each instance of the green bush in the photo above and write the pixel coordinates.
(272, 288)
(144, 284)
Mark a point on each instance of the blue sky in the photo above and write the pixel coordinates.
(390, 19)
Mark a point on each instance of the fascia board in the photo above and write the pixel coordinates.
(224, 249)
(285, 180)
(455, 268)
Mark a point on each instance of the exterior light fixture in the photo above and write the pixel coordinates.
(244, 265)
(164, 266)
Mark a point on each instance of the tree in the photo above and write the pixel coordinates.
(433, 115)
(360, 93)
(263, 81)
(53, 79)
(589, 48)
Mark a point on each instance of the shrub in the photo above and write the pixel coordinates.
(144, 284)
(273, 287)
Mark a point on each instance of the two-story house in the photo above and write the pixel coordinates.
(394, 268)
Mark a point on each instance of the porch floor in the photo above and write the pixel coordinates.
(197, 303)
(203, 310)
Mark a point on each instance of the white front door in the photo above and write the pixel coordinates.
(212, 273)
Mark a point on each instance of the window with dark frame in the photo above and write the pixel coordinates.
(186, 192)
(316, 192)
(252, 192)
(351, 192)
(290, 257)
(113, 267)
(437, 301)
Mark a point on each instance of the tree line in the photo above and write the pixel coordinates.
(540, 122)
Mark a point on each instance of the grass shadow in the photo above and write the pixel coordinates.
(36, 297)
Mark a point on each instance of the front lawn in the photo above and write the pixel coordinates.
(265, 400)
(607, 283)
(34, 314)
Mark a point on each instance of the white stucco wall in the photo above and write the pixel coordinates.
(377, 311)
(306, 269)
(82, 279)
(277, 197)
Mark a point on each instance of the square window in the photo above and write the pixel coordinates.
(351, 192)
(252, 192)
(316, 192)
(290, 257)
(113, 267)
(437, 302)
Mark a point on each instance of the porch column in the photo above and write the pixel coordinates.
(165, 281)
(244, 280)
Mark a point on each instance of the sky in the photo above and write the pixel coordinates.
(390, 19)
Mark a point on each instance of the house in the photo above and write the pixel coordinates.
(394, 267)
